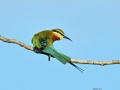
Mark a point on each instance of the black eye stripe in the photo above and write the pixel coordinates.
(61, 34)
(58, 32)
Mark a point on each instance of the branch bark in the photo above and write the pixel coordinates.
(94, 62)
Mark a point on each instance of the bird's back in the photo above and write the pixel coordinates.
(45, 35)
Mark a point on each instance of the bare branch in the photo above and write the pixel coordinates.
(94, 62)
(16, 42)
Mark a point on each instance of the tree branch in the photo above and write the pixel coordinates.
(16, 42)
(94, 62)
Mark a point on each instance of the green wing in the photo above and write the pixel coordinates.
(53, 52)
(46, 48)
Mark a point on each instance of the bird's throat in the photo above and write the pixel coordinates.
(57, 36)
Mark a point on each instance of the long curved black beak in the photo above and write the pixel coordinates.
(67, 38)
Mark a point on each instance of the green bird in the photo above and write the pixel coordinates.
(43, 43)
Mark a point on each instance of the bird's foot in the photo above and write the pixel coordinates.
(36, 50)
(49, 57)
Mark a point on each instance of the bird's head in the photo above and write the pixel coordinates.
(59, 34)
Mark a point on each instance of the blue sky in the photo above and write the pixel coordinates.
(94, 27)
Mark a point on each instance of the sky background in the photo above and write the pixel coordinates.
(94, 27)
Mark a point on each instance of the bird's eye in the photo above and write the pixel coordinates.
(54, 30)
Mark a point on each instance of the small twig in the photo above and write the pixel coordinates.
(94, 62)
